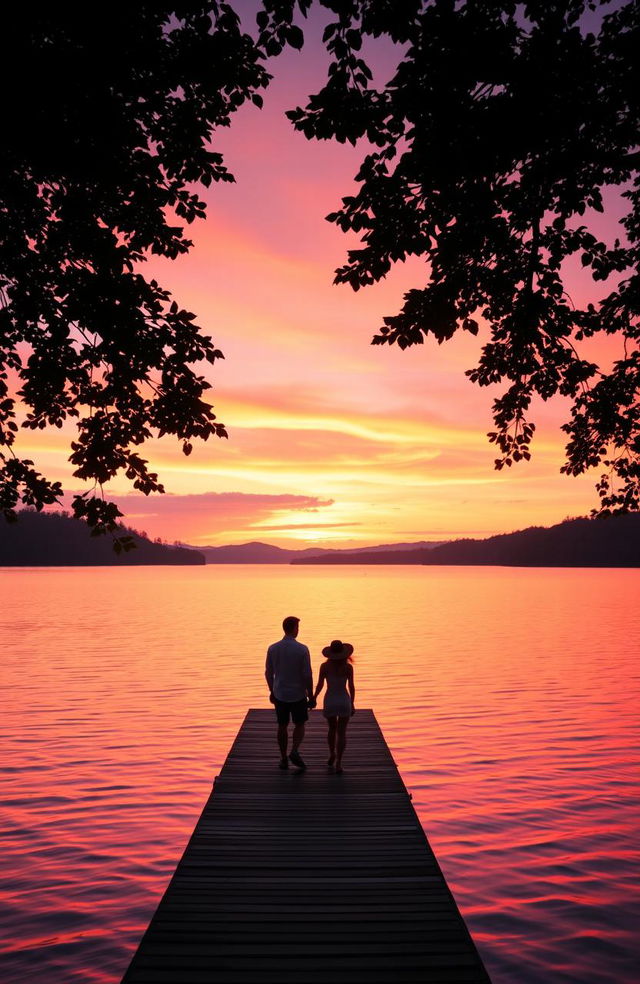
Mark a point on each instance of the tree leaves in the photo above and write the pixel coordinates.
(295, 37)
(489, 152)
(496, 142)
(105, 140)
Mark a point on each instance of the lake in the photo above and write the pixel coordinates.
(508, 697)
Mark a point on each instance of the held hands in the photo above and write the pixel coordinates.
(311, 703)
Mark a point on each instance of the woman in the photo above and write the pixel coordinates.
(338, 707)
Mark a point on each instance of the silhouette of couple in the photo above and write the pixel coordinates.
(290, 681)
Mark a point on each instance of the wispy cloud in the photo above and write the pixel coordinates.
(296, 527)
(207, 517)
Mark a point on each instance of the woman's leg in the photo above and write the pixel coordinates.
(341, 741)
(331, 738)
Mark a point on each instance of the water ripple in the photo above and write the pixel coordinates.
(518, 741)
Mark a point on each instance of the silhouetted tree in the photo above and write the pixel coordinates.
(504, 131)
(498, 138)
(107, 113)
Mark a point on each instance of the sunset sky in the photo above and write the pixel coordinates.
(332, 441)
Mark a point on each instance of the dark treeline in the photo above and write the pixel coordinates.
(605, 542)
(59, 540)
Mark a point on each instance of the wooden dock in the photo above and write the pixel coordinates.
(307, 877)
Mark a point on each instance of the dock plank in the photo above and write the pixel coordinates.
(307, 876)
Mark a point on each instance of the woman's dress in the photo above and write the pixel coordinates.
(337, 702)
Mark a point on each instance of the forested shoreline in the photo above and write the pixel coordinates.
(59, 540)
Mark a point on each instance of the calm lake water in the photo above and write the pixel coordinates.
(508, 697)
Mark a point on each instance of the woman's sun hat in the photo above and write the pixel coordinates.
(338, 650)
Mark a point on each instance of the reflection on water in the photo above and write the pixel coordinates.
(508, 698)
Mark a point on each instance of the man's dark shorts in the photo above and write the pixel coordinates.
(297, 711)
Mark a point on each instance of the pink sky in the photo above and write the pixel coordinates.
(332, 441)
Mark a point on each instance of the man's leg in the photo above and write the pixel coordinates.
(300, 716)
(296, 738)
(283, 740)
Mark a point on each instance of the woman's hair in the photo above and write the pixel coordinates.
(341, 664)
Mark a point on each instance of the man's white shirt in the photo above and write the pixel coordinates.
(290, 663)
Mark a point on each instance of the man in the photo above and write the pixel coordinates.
(290, 682)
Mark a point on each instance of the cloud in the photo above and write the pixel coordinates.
(203, 518)
(237, 503)
(293, 527)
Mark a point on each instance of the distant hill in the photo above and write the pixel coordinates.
(607, 542)
(58, 540)
(264, 553)
(248, 553)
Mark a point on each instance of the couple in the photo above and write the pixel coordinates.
(290, 682)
